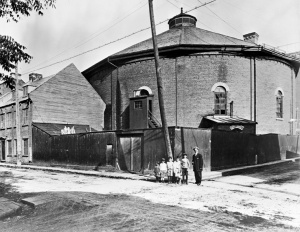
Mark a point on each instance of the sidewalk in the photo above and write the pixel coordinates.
(135, 176)
(8, 207)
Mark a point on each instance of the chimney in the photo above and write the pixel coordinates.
(35, 77)
(251, 37)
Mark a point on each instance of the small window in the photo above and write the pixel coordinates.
(25, 116)
(15, 148)
(25, 147)
(279, 105)
(9, 147)
(220, 100)
(2, 121)
(138, 105)
(9, 119)
(186, 20)
(13, 114)
(25, 91)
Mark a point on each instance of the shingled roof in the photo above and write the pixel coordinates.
(185, 36)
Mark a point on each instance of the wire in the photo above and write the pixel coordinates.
(124, 37)
(287, 44)
(221, 18)
(173, 4)
(94, 35)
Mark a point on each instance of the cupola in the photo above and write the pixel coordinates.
(182, 20)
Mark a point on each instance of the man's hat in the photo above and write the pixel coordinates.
(195, 148)
(163, 159)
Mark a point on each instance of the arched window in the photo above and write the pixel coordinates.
(220, 100)
(144, 92)
(279, 104)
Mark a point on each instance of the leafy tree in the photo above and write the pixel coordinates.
(11, 51)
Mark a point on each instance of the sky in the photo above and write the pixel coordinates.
(75, 27)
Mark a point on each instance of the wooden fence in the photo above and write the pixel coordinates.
(140, 150)
(83, 149)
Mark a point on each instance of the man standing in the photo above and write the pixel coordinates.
(197, 165)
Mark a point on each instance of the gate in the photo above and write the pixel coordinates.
(130, 153)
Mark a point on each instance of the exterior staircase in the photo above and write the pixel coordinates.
(152, 121)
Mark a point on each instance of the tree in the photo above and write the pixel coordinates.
(11, 51)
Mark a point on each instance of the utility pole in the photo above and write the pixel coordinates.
(159, 83)
(18, 128)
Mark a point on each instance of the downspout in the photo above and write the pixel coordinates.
(254, 93)
(292, 103)
(112, 113)
(176, 92)
(251, 106)
(111, 93)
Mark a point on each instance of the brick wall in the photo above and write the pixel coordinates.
(195, 76)
(270, 76)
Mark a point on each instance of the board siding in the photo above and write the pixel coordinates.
(68, 98)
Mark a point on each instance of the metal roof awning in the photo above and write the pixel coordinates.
(229, 123)
(229, 120)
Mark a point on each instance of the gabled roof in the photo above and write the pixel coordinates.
(55, 128)
(185, 36)
(9, 98)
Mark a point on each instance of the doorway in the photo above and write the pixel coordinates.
(130, 153)
(2, 149)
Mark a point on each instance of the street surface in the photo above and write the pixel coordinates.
(267, 199)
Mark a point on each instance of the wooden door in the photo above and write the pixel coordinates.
(136, 161)
(130, 153)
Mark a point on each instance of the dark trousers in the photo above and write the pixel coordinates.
(185, 173)
(198, 176)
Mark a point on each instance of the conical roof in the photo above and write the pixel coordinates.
(185, 35)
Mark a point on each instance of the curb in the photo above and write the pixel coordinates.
(236, 171)
(79, 172)
(131, 176)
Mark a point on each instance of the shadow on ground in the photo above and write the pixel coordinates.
(79, 211)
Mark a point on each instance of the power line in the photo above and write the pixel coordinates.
(173, 4)
(94, 35)
(124, 37)
(221, 18)
(287, 44)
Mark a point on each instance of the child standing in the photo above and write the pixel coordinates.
(177, 170)
(157, 172)
(170, 168)
(185, 164)
(163, 170)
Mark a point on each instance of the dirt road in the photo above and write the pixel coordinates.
(265, 200)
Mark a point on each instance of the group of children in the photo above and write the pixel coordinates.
(177, 170)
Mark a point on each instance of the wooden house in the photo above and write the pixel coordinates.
(63, 103)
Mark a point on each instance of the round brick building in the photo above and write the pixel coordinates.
(205, 75)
